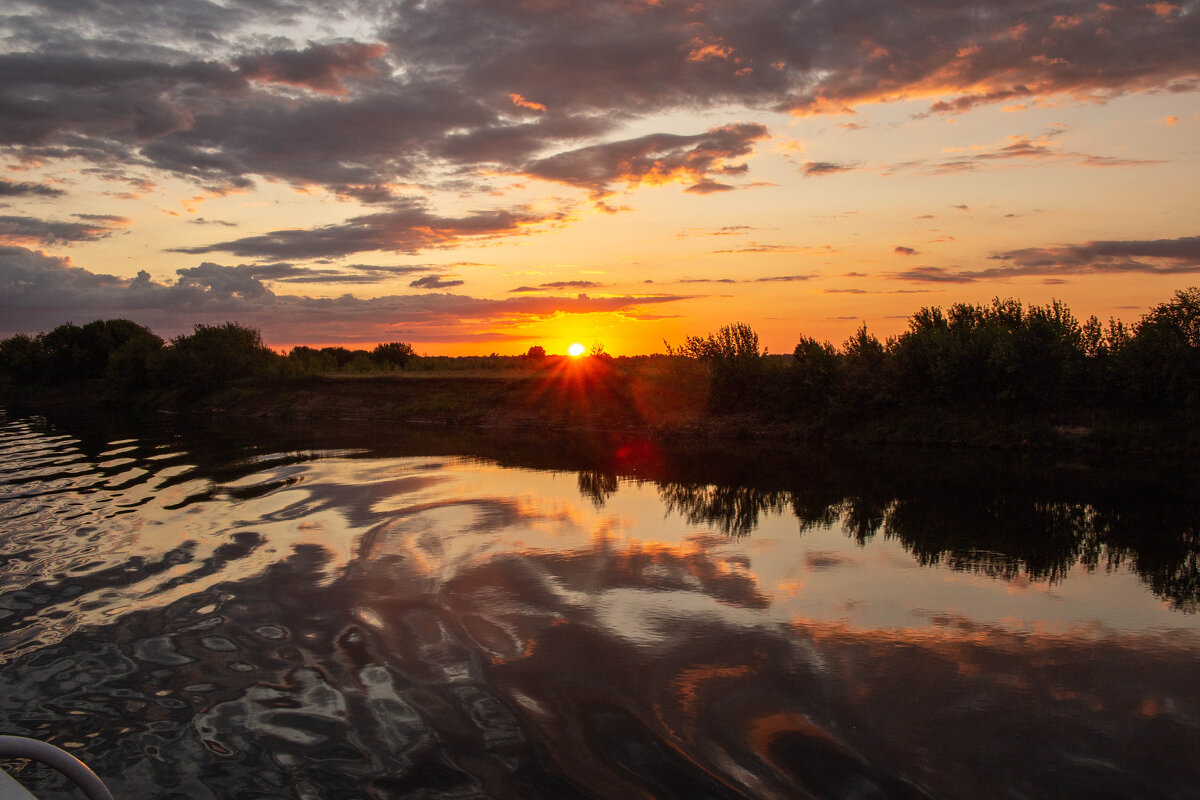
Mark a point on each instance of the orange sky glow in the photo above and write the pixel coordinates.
(474, 177)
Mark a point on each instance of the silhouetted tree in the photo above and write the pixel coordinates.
(863, 376)
(735, 361)
(394, 354)
(535, 353)
(815, 373)
(132, 349)
(213, 355)
(21, 359)
(1160, 364)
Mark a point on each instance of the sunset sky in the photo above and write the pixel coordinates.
(476, 176)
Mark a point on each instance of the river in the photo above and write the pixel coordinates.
(331, 610)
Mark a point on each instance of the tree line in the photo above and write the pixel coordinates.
(130, 358)
(1001, 358)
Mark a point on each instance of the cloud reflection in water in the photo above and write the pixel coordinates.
(336, 623)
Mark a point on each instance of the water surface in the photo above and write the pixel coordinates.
(335, 612)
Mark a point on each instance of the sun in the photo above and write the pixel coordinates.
(576, 350)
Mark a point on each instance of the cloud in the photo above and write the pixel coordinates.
(784, 279)
(557, 285)
(756, 247)
(30, 230)
(707, 186)
(1153, 257)
(652, 160)
(1017, 150)
(827, 167)
(769, 279)
(197, 89)
(932, 275)
(203, 221)
(435, 282)
(868, 291)
(39, 292)
(365, 194)
(901, 250)
(24, 189)
(319, 67)
(408, 227)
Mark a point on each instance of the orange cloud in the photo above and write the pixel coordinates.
(520, 101)
(709, 50)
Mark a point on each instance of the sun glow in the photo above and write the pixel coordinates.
(576, 350)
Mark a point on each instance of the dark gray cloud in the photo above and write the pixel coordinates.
(932, 275)
(828, 167)
(901, 250)
(656, 158)
(1161, 256)
(30, 230)
(203, 221)
(365, 194)
(1154, 256)
(247, 279)
(220, 93)
(798, 55)
(407, 227)
(25, 189)
(39, 292)
(435, 282)
(320, 67)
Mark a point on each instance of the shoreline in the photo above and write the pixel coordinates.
(614, 405)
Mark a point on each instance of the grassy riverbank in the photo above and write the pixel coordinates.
(658, 400)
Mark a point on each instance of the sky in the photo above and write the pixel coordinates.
(478, 176)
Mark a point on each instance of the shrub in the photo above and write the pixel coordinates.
(212, 356)
(392, 354)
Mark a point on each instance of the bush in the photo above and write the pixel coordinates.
(212, 356)
(392, 354)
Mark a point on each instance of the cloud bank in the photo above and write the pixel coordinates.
(39, 292)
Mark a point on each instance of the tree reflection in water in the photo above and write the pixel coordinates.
(1006, 521)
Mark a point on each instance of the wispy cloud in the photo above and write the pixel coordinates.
(408, 227)
(828, 167)
(556, 286)
(1154, 256)
(1017, 150)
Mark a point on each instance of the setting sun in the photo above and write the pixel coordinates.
(576, 350)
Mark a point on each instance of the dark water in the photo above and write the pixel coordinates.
(339, 612)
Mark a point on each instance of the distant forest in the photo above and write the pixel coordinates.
(1002, 360)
